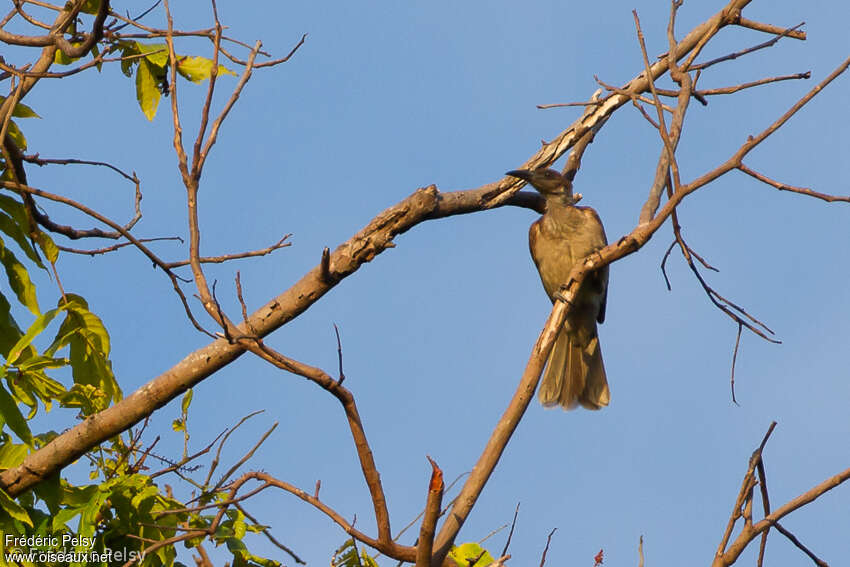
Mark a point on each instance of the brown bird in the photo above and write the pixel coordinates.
(563, 236)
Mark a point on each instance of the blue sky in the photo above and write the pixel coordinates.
(387, 97)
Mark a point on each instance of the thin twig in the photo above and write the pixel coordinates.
(792, 189)
(546, 549)
(266, 532)
(734, 359)
(114, 247)
(224, 436)
(511, 533)
(136, 242)
(339, 355)
(664, 263)
(238, 464)
(282, 243)
(799, 545)
(700, 94)
(768, 28)
(769, 43)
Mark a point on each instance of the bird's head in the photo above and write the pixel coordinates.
(546, 181)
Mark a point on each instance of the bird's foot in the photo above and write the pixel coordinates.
(559, 295)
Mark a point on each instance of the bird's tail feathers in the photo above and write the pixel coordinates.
(574, 375)
(549, 393)
(595, 394)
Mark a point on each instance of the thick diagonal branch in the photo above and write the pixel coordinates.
(423, 205)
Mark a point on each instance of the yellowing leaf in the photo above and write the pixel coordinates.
(12, 454)
(147, 89)
(466, 553)
(187, 399)
(60, 58)
(21, 110)
(196, 69)
(155, 53)
(24, 111)
(47, 246)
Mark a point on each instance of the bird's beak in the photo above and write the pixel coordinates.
(523, 174)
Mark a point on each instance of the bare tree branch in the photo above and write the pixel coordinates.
(728, 553)
(424, 547)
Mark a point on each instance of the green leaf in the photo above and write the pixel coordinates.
(12, 454)
(76, 496)
(88, 518)
(41, 322)
(90, 6)
(187, 399)
(95, 52)
(466, 553)
(155, 53)
(239, 527)
(14, 419)
(86, 397)
(242, 556)
(47, 246)
(18, 234)
(16, 210)
(14, 509)
(50, 491)
(146, 493)
(19, 279)
(21, 110)
(88, 340)
(47, 389)
(17, 136)
(367, 560)
(147, 89)
(24, 111)
(127, 64)
(346, 556)
(60, 58)
(64, 516)
(43, 439)
(90, 353)
(39, 362)
(196, 69)
(10, 332)
(252, 559)
(22, 393)
(178, 425)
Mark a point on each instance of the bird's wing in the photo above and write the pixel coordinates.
(600, 241)
(600, 317)
(533, 236)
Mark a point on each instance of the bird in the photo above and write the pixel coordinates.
(563, 236)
